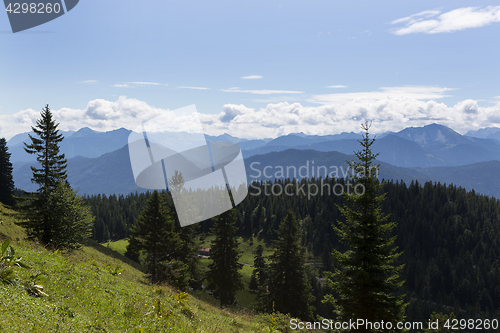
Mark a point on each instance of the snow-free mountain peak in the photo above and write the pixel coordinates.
(432, 134)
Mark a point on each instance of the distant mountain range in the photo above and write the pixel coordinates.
(111, 173)
(428, 146)
(483, 177)
(84, 142)
(98, 162)
(485, 133)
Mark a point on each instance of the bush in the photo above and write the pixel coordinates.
(8, 262)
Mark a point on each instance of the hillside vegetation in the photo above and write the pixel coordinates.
(245, 297)
(89, 291)
(449, 237)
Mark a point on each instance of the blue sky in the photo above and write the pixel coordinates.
(257, 68)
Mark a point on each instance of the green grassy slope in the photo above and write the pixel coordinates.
(245, 297)
(84, 296)
(118, 246)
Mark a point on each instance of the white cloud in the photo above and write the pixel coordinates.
(388, 114)
(137, 84)
(418, 16)
(408, 92)
(262, 91)
(458, 19)
(231, 111)
(88, 81)
(99, 114)
(195, 88)
(336, 86)
(252, 77)
(145, 83)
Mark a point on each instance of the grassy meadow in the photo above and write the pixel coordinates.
(245, 298)
(95, 289)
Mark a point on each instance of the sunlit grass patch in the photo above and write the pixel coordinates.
(84, 295)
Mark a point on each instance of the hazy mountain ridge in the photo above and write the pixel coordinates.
(427, 146)
(423, 153)
(112, 172)
(84, 142)
(483, 177)
(485, 133)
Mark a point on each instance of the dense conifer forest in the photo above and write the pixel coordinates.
(449, 237)
(115, 215)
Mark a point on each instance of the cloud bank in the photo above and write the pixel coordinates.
(430, 22)
(389, 109)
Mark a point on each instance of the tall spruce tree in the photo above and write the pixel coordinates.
(54, 214)
(259, 264)
(258, 278)
(366, 280)
(223, 276)
(253, 285)
(187, 252)
(46, 149)
(52, 170)
(6, 180)
(288, 286)
(154, 234)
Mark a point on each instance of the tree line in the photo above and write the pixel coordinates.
(449, 239)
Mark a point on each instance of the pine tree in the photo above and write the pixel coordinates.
(258, 278)
(187, 252)
(6, 180)
(71, 221)
(154, 234)
(46, 148)
(259, 264)
(254, 284)
(133, 248)
(366, 279)
(223, 276)
(288, 286)
(38, 214)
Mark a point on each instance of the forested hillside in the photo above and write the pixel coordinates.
(114, 215)
(450, 237)
(450, 240)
